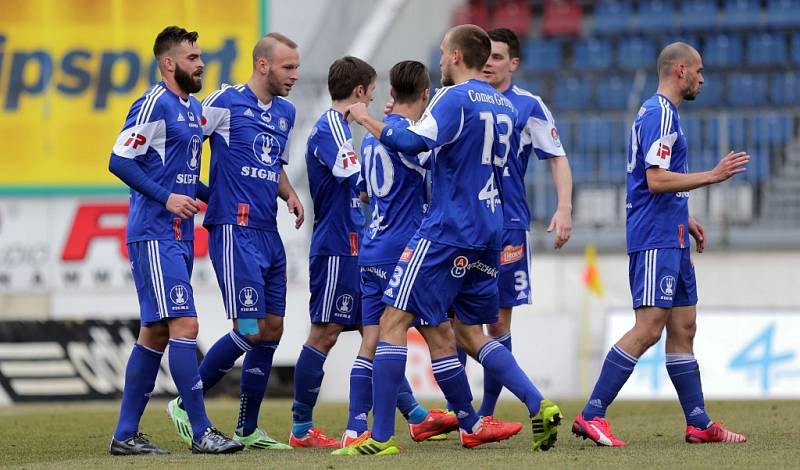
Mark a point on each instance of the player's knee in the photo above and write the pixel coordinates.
(650, 336)
(183, 327)
(272, 331)
(498, 329)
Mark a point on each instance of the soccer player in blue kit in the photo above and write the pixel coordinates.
(335, 305)
(661, 272)
(452, 260)
(158, 156)
(394, 186)
(535, 133)
(250, 127)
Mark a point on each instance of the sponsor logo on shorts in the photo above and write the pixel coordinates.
(406, 256)
(667, 285)
(179, 295)
(460, 266)
(374, 270)
(511, 254)
(484, 268)
(344, 303)
(248, 298)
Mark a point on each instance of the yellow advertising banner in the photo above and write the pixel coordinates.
(70, 69)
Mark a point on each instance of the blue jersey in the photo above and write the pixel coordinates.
(395, 184)
(333, 173)
(249, 142)
(535, 132)
(468, 126)
(656, 220)
(162, 134)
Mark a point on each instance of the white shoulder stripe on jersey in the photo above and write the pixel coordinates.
(331, 116)
(666, 117)
(337, 127)
(149, 104)
(438, 96)
(153, 90)
(213, 97)
(522, 92)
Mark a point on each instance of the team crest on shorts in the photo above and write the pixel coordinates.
(344, 303)
(459, 268)
(667, 285)
(179, 295)
(248, 297)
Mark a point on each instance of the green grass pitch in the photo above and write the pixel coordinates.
(77, 436)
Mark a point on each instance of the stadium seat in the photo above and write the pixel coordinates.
(747, 89)
(542, 55)
(783, 13)
(698, 15)
(593, 53)
(649, 88)
(656, 16)
(772, 129)
(612, 16)
(766, 49)
(741, 14)
(562, 18)
(514, 15)
(612, 92)
(583, 167)
(475, 12)
(795, 48)
(693, 131)
(711, 92)
(636, 52)
(722, 50)
(785, 89)
(737, 132)
(572, 93)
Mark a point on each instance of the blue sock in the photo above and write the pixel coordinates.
(462, 358)
(388, 373)
(183, 367)
(685, 375)
(408, 405)
(308, 375)
(617, 367)
(253, 383)
(360, 394)
(452, 379)
(491, 387)
(221, 357)
(140, 378)
(498, 362)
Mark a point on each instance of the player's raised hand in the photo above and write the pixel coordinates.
(562, 224)
(731, 164)
(698, 232)
(388, 107)
(182, 205)
(356, 112)
(296, 208)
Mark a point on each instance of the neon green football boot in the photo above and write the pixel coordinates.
(260, 440)
(180, 419)
(545, 425)
(366, 445)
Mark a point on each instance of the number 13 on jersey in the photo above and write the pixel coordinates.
(505, 126)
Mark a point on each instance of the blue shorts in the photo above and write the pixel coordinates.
(432, 278)
(374, 280)
(161, 271)
(335, 290)
(662, 277)
(250, 265)
(514, 281)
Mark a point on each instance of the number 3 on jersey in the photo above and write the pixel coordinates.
(489, 192)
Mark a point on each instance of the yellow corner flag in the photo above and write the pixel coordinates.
(591, 277)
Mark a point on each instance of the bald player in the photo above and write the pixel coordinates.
(661, 272)
(249, 126)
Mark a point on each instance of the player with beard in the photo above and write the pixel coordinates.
(250, 127)
(661, 272)
(158, 156)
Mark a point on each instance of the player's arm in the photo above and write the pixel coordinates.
(660, 180)
(141, 140)
(698, 232)
(288, 194)
(216, 115)
(396, 138)
(561, 221)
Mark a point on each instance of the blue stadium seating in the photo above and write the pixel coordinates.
(766, 49)
(593, 53)
(772, 129)
(583, 167)
(612, 92)
(722, 50)
(698, 15)
(741, 14)
(783, 13)
(636, 52)
(737, 132)
(711, 92)
(656, 16)
(542, 55)
(572, 93)
(693, 131)
(785, 89)
(747, 89)
(612, 16)
(796, 48)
